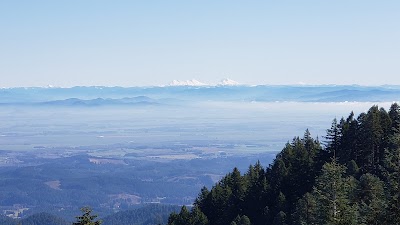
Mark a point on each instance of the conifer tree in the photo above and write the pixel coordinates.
(87, 218)
(392, 166)
(197, 217)
(394, 114)
(332, 137)
(371, 199)
(280, 219)
(241, 220)
(306, 210)
(332, 194)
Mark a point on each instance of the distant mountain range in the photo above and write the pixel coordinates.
(195, 91)
(193, 82)
(140, 100)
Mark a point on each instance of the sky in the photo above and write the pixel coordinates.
(152, 42)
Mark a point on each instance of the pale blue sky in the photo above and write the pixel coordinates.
(150, 42)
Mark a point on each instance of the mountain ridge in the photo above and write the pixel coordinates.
(152, 95)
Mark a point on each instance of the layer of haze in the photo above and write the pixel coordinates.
(135, 43)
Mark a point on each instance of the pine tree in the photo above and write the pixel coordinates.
(183, 218)
(348, 144)
(255, 198)
(374, 127)
(280, 219)
(87, 218)
(392, 166)
(306, 210)
(394, 114)
(371, 199)
(241, 220)
(333, 136)
(197, 217)
(332, 194)
(202, 200)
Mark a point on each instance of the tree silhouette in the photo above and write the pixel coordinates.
(87, 218)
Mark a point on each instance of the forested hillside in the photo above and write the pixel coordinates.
(352, 177)
(36, 219)
(151, 214)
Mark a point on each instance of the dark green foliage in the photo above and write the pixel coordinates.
(392, 178)
(394, 114)
(332, 194)
(373, 130)
(370, 196)
(280, 219)
(241, 220)
(262, 195)
(151, 214)
(354, 179)
(333, 136)
(87, 218)
(195, 217)
(352, 168)
(306, 210)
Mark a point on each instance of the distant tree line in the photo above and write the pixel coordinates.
(35, 219)
(353, 177)
(151, 214)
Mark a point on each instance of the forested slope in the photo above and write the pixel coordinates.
(151, 214)
(353, 177)
(36, 219)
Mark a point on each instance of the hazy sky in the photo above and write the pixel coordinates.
(150, 42)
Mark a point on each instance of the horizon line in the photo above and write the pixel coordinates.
(195, 86)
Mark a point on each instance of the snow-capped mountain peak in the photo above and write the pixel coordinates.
(228, 82)
(192, 82)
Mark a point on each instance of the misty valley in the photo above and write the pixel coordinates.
(118, 149)
(199, 112)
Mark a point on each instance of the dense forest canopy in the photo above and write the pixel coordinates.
(352, 177)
